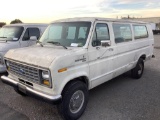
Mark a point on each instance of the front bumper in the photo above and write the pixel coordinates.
(31, 92)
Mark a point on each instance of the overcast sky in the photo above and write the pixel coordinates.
(32, 11)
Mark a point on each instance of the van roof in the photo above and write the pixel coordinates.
(28, 24)
(92, 19)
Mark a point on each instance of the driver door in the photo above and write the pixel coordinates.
(101, 54)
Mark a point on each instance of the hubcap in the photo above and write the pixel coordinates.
(140, 69)
(76, 101)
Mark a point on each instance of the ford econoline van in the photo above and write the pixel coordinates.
(17, 36)
(75, 55)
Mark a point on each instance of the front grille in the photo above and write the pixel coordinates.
(24, 72)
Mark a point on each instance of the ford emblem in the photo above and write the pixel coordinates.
(21, 71)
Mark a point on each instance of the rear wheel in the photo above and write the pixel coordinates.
(74, 100)
(138, 70)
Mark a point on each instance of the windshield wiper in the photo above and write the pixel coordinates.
(57, 43)
(3, 37)
(40, 43)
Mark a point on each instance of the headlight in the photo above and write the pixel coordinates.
(45, 78)
(45, 74)
(8, 65)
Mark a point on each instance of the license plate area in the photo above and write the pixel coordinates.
(22, 88)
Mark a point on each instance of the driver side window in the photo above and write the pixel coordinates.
(101, 33)
(31, 32)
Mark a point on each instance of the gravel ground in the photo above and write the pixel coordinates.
(122, 98)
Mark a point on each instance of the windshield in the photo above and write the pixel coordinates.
(10, 33)
(67, 34)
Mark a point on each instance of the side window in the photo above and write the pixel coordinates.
(31, 32)
(140, 31)
(34, 32)
(122, 32)
(101, 33)
(26, 35)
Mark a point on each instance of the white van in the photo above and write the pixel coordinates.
(17, 36)
(76, 55)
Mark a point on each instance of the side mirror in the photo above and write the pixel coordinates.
(105, 43)
(15, 39)
(34, 38)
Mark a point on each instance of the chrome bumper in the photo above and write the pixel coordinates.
(31, 92)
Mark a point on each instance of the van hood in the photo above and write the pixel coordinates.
(37, 56)
(5, 46)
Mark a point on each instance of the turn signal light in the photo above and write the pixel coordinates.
(46, 82)
(62, 70)
(8, 68)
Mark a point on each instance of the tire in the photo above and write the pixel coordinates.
(20, 93)
(75, 92)
(138, 70)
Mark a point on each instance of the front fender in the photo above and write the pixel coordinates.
(59, 86)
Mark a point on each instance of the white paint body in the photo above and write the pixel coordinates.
(101, 64)
(5, 46)
(153, 26)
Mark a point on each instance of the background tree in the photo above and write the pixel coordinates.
(16, 21)
(2, 23)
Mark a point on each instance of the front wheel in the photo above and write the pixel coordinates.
(74, 100)
(138, 70)
(19, 92)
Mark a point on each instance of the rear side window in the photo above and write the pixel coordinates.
(122, 32)
(140, 31)
(31, 32)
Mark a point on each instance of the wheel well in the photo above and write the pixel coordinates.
(83, 79)
(143, 57)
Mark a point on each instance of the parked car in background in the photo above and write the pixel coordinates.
(18, 36)
(76, 55)
(155, 29)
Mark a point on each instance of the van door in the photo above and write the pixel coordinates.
(25, 42)
(125, 47)
(101, 54)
